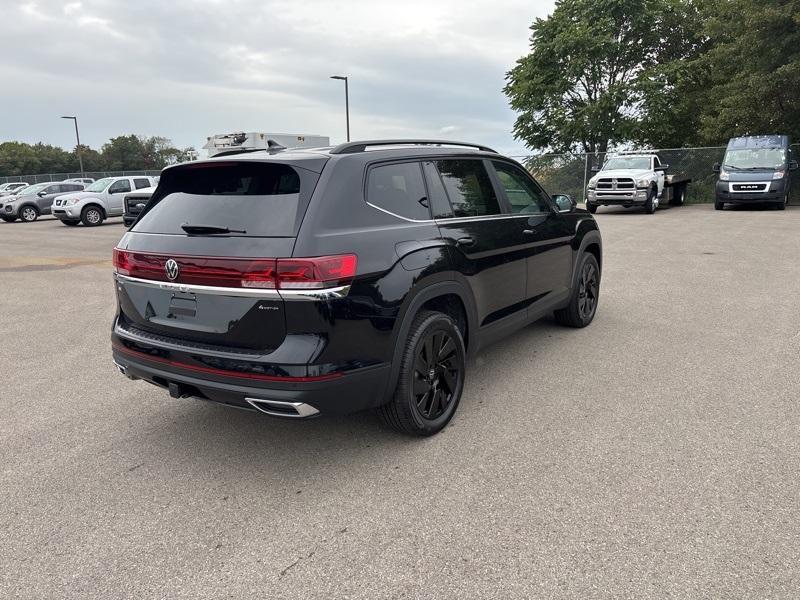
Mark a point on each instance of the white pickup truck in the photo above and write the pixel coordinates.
(634, 180)
(99, 201)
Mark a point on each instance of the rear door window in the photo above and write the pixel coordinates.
(398, 188)
(122, 185)
(523, 195)
(141, 183)
(251, 199)
(469, 188)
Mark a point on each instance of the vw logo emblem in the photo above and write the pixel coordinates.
(172, 270)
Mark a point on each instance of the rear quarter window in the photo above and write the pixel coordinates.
(399, 189)
(257, 198)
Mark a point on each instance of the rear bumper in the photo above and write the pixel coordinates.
(349, 392)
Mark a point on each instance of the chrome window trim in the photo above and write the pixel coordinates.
(388, 212)
(330, 293)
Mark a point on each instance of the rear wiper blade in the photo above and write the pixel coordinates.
(208, 229)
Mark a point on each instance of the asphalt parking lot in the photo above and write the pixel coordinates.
(654, 454)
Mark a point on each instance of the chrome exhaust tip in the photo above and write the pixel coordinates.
(124, 370)
(278, 408)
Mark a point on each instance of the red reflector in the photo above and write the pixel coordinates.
(267, 273)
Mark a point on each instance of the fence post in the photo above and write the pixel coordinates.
(585, 173)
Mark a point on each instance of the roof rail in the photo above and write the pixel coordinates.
(353, 147)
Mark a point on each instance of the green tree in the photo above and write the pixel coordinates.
(125, 153)
(53, 159)
(18, 158)
(751, 69)
(581, 87)
(673, 92)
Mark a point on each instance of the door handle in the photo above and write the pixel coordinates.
(465, 241)
(529, 231)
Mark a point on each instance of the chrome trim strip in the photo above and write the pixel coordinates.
(493, 217)
(459, 219)
(388, 212)
(262, 405)
(288, 294)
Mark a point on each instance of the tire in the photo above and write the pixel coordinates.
(718, 205)
(28, 214)
(651, 204)
(782, 205)
(592, 208)
(431, 378)
(9, 219)
(585, 295)
(70, 223)
(678, 196)
(92, 216)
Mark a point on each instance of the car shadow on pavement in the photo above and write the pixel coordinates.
(204, 433)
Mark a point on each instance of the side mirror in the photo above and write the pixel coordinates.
(595, 169)
(793, 165)
(564, 202)
(716, 168)
(662, 167)
(42, 194)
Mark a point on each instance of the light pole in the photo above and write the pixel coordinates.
(78, 137)
(346, 102)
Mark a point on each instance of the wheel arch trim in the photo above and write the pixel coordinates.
(423, 295)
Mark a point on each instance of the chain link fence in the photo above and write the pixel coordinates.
(558, 173)
(569, 173)
(45, 177)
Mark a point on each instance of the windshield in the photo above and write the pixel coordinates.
(33, 189)
(628, 163)
(99, 185)
(756, 158)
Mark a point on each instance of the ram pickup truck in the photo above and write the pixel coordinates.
(99, 201)
(134, 203)
(634, 180)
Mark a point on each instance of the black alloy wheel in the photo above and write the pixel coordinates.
(431, 378)
(588, 288)
(436, 374)
(585, 295)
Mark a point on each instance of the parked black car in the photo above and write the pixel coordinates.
(756, 170)
(330, 281)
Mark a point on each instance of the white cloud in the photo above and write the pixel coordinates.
(72, 7)
(188, 68)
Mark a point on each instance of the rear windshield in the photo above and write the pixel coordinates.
(249, 199)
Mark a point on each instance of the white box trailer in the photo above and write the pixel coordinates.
(261, 141)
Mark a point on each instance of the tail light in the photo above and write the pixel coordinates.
(269, 273)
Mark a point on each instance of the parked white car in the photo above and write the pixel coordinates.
(86, 180)
(99, 201)
(12, 187)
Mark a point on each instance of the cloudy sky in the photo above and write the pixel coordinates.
(188, 69)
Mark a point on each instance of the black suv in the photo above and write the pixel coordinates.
(335, 280)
